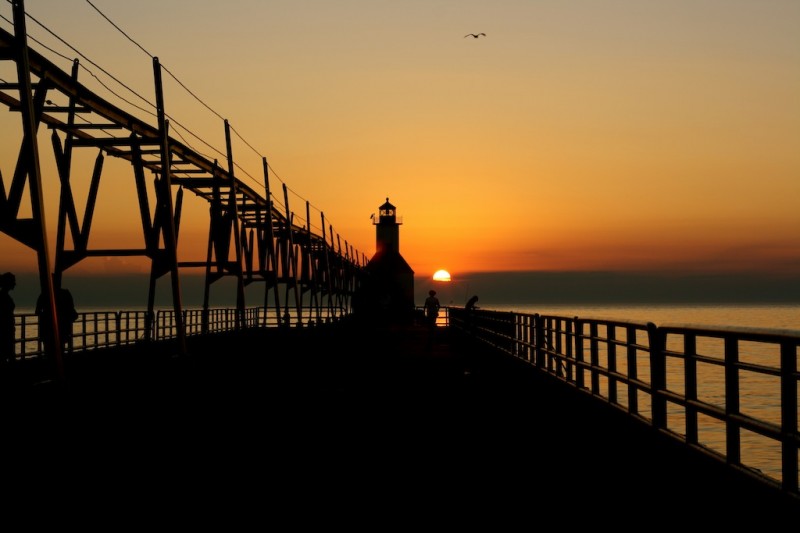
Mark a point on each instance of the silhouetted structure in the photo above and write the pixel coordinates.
(251, 237)
(387, 292)
(431, 308)
(65, 313)
(7, 326)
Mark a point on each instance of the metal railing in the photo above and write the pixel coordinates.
(731, 393)
(103, 329)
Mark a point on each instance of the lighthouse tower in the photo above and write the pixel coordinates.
(387, 229)
(389, 285)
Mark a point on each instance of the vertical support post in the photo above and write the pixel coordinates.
(66, 205)
(214, 216)
(31, 157)
(164, 194)
(270, 242)
(341, 276)
(291, 258)
(237, 242)
(310, 267)
(327, 258)
(352, 282)
(207, 277)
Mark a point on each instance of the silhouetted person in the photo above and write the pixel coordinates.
(431, 308)
(470, 307)
(7, 328)
(65, 313)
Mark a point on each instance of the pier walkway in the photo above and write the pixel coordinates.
(361, 427)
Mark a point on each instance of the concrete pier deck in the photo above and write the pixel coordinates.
(368, 426)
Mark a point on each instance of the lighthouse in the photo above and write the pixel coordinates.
(387, 229)
(389, 284)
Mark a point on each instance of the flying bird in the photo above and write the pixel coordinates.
(474, 35)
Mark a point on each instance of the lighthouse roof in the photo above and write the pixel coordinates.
(388, 263)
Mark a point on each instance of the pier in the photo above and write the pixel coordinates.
(376, 420)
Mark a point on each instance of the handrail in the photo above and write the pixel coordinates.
(104, 329)
(728, 392)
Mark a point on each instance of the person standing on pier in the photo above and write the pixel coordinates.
(66, 315)
(7, 327)
(470, 309)
(432, 308)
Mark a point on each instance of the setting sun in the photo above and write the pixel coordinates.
(441, 275)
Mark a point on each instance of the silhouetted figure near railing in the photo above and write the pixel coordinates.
(66, 315)
(431, 308)
(7, 327)
(470, 309)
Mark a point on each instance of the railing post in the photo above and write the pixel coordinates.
(539, 340)
(554, 334)
(512, 330)
(690, 377)
(569, 367)
(611, 362)
(633, 370)
(118, 322)
(149, 325)
(594, 359)
(658, 376)
(579, 368)
(524, 336)
(733, 430)
(789, 458)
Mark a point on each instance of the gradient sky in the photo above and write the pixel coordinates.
(576, 136)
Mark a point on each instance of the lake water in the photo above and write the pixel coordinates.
(782, 316)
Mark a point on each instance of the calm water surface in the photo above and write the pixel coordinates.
(785, 317)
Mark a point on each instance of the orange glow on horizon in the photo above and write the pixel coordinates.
(606, 152)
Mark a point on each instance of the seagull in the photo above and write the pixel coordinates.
(474, 35)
